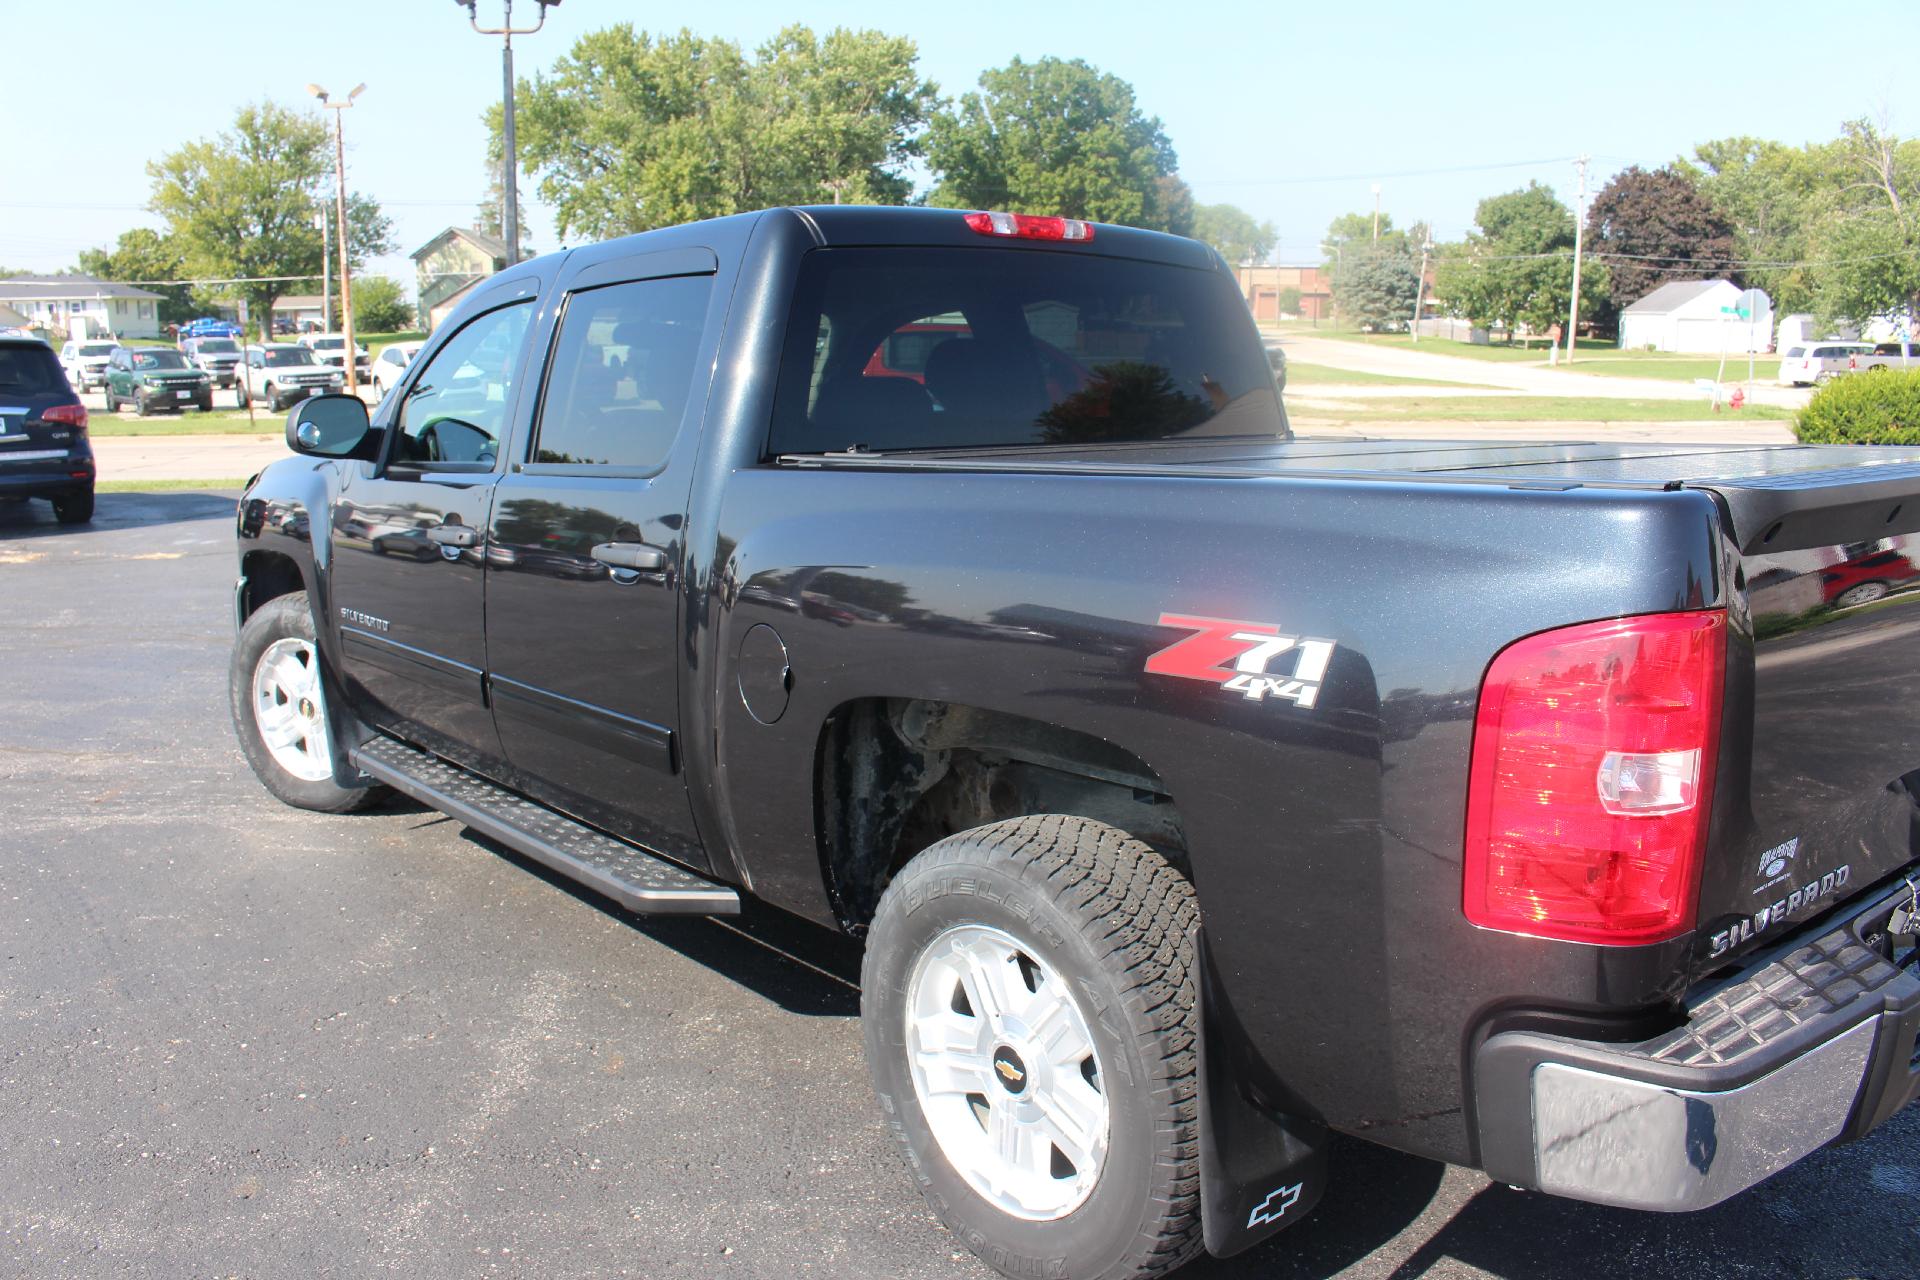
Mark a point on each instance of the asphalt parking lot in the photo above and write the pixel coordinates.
(241, 1040)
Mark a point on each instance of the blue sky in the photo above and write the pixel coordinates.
(1290, 110)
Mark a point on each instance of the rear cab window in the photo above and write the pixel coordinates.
(30, 369)
(940, 348)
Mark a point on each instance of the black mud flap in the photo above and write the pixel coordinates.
(1263, 1161)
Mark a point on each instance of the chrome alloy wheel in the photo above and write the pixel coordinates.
(290, 711)
(1005, 1070)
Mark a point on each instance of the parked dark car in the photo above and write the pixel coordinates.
(156, 378)
(1196, 790)
(44, 451)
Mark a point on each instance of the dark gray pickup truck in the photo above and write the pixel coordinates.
(954, 580)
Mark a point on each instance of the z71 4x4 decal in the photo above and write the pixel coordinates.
(1240, 656)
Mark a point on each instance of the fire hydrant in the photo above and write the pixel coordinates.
(1738, 398)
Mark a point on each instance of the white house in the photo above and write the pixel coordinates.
(102, 307)
(1691, 315)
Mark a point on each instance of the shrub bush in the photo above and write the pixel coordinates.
(1879, 406)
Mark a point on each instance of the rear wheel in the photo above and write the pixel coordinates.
(74, 508)
(279, 708)
(1861, 593)
(1030, 1023)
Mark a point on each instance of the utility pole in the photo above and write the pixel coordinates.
(1376, 212)
(340, 211)
(1579, 234)
(1420, 286)
(510, 177)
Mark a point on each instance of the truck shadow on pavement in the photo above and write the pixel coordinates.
(32, 518)
(787, 961)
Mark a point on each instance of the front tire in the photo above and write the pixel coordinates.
(1031, 1027)
(280, 710)
(240, 396)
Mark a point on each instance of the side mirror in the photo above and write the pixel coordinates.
(328, 426)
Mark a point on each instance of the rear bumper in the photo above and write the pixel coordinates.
(54, 478)
(1812, 1044)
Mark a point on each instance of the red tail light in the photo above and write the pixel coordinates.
(72, 415)
(1592, 779)
(1027, 227)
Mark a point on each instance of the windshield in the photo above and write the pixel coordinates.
(327, 344)
(159, 360)
(284, 359)
(97, 349)
(956, 348)
(217, 346)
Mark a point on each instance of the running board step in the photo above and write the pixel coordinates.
(633, 877)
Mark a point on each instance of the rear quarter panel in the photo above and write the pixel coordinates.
(1325, 842)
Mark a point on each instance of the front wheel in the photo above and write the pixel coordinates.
(1031, 1027)
(240, 396)
(280, 708)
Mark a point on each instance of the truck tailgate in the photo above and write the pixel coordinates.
(1819, 784)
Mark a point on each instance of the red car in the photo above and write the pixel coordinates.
(1866, 578)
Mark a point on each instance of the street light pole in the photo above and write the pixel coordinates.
(326, 270)
(340, 213)
(510, 176)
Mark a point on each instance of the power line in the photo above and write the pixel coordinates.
(1369, 177)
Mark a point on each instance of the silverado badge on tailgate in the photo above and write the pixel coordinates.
(1238, 655)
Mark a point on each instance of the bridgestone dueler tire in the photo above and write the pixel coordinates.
(1114, 919)
(281, 618)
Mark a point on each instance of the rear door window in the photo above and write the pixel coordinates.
(900, 348)
(622, 373)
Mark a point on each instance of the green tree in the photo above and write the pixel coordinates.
(1053, 137)
(243, 204)
(1777, 199)
(1517, 266)
(1356, 229)
(1289, 301)
(1654, 227)
(1233, 231)
(140, 256)
(380, 305)
(1871, 246)
(1374, 285)
(632, 131)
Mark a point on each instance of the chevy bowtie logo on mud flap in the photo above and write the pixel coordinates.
(1238, 656)
(1275, 1206)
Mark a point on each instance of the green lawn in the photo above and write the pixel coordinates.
(1532, 409)
(221, 422)
(1303, 373)
(1588, 358)
(1641, 364)
(160, 486)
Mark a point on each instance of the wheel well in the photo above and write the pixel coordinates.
(893, 775)
(269, 574)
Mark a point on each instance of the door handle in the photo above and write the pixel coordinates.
(454, 535)
(630, 555)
